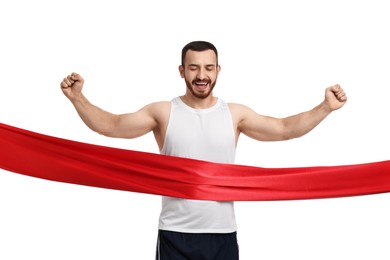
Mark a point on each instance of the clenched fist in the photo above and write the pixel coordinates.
(72, 86)
(335, 97)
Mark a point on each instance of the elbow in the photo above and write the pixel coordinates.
(289, 135)
(288, 131)
(109, 128)
(108, 132)
(105, 133)
(285, 137)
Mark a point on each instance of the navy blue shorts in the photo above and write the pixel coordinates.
(193, 246)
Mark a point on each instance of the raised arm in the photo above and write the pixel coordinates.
(265, 128)
(130, 125)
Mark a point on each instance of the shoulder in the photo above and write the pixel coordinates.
(158, 110)
(158, 107)
(241, 113)
(238, 112)
(239, 109)
(235, 106)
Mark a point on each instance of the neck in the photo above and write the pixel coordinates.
(199, 103)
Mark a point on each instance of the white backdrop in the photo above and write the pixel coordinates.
(276, 57)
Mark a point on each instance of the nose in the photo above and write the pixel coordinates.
(201, 74)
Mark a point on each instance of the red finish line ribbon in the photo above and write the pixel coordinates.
(62, 160)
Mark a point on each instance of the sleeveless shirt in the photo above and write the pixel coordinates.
(204, 134)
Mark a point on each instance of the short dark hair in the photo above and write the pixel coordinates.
(198, 46)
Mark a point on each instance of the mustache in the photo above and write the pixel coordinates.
(201, 81)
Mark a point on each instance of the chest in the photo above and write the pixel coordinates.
(207, 136)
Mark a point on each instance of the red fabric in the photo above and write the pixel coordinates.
(57, 159)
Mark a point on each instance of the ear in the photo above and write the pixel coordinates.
(218, 69)
(181, 71)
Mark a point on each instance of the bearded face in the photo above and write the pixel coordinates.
(200, 88)
(200, 73)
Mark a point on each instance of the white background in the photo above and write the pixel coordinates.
(276, 57)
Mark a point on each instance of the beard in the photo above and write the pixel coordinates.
(200, 95)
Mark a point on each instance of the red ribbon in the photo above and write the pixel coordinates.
(62, 160)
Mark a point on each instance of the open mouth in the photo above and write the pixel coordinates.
(201, 84)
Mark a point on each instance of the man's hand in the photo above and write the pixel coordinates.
(335, 97)
(72, 86)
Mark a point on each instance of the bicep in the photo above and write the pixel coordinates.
(132, 125)
(260, 127)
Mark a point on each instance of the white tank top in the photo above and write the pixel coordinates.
(204, 134)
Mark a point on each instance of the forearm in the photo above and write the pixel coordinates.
(94, 117)
(300, 124)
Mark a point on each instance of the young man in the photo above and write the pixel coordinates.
(201, 126)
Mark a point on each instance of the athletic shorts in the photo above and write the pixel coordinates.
(194, 246)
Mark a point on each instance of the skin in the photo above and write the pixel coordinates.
(200, 73)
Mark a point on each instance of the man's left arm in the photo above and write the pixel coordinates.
(266, 128)
(300, 124)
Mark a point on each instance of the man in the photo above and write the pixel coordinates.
(201, 126)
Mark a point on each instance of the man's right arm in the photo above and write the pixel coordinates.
(124, 126)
